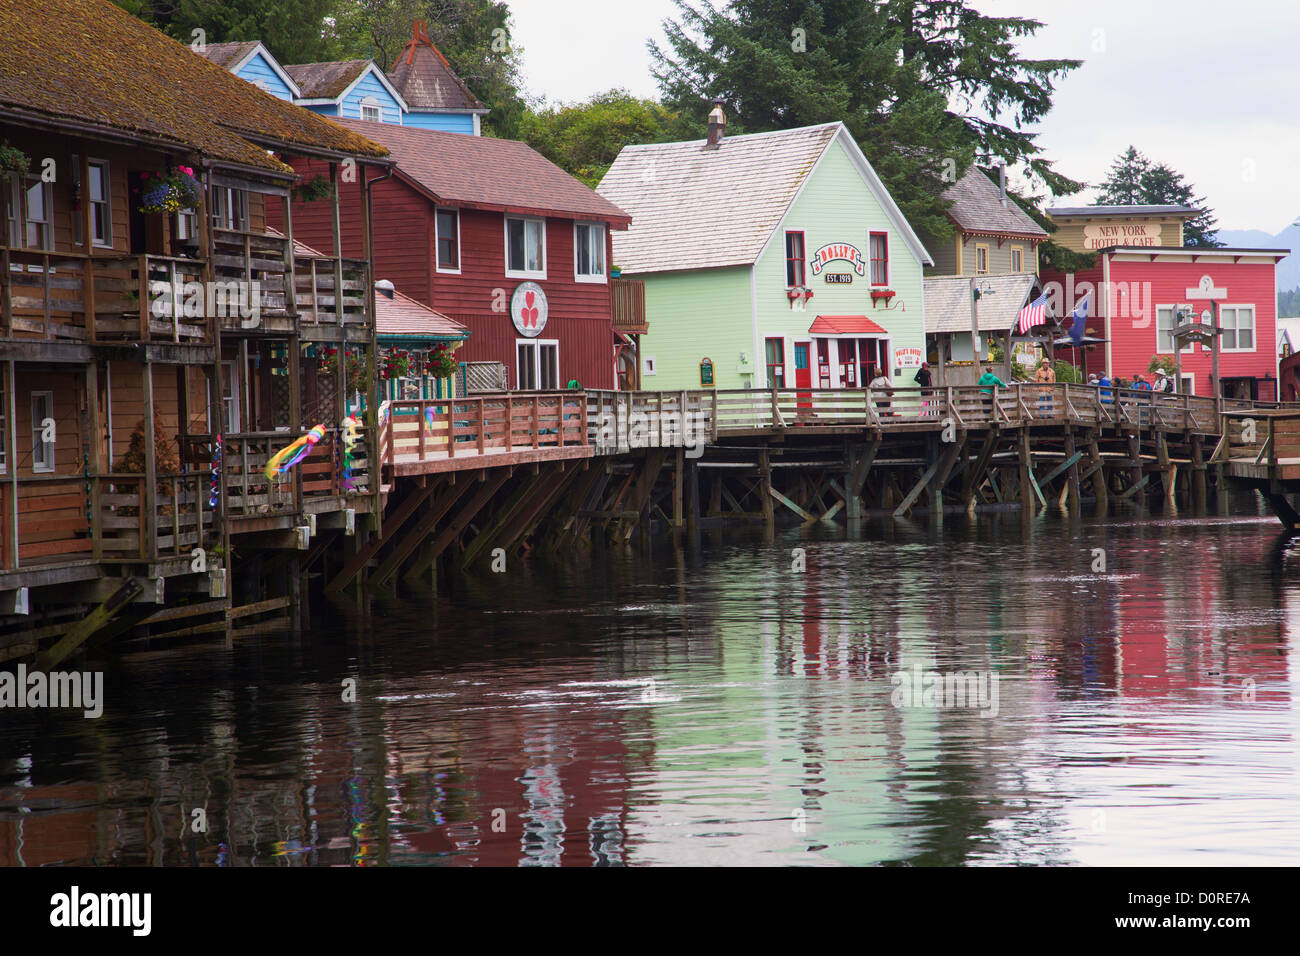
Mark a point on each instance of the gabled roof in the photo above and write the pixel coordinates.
(233, 56)
(426, 80)
(227, 55)
(486, 173)
(332, 81)
(948, 301)
(977, 207)
(699, 208)
(90, 65)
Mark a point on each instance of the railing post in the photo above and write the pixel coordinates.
(537, 423)
(776, 416)
(423, 427)
(583, 411)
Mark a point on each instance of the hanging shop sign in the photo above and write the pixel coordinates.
(528, 309)
(838, 252)
(908, 358)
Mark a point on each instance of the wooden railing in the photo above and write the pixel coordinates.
(423, 430)
(248, 257)
(628, 301)
(103, 298)
(619, 420)
(133, 525)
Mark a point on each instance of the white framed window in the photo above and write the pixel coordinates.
(525, 248)
(77, 227)
(229, 398)
(30, 213)
(537, 365)
(42, 419)
(447, 239)
(229, 208)
(372, 110)
(1238, 323)
(187, 225)
(589, 252)
(1166, 322)
(98, 194)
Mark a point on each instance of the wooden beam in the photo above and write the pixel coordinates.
(80, 632)
(484, 537)
(808, 518)
(406, 546)
(459, 521)
(394, 524)
(916, 491)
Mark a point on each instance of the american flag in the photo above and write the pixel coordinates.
(1035, 313)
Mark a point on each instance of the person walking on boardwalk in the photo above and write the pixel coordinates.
(1104, 385)
(925, 380)
(1045, 375)
(1140, 384)
(988, 381)
(882, 385)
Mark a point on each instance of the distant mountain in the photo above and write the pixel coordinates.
(1288, 270)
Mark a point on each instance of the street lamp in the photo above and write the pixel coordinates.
(976, 293)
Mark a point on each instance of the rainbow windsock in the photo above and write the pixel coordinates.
(287, 457)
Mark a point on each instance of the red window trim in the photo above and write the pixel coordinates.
(873, 260)
(802, 258)
(779, 364)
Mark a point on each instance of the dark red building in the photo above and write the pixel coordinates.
(498, 238)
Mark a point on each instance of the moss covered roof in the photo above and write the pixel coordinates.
(325, 81)
(92, 62)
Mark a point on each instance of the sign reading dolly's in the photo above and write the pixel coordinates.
(836, 251)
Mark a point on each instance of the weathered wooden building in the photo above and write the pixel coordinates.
(158, 340)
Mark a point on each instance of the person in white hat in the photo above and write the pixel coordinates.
(1163, 382)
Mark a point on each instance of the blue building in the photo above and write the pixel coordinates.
(421, 90)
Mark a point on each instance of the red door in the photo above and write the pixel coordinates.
(802, 374)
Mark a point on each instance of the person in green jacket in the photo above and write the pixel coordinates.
(986, 383)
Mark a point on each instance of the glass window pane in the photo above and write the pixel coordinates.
(534, 246)
(515, 244)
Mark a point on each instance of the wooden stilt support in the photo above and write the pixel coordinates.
(455, 526)
(490, 531)
(393, 524)
(916, 490)
(1198, 475)
(80, 632)
(1098, 473)
(406, 545)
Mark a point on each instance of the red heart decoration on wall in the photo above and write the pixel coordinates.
(529, 316)
(528, 298)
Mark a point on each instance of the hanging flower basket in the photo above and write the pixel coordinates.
(169, 192)
(442, 362)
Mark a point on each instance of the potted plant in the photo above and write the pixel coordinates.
(442, 362)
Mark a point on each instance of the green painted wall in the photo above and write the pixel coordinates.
(837, 207)
(707, 313)
(696, 315)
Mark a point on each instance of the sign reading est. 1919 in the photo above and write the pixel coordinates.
(839, 278)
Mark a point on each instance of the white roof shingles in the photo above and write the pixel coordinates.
(699, 208)
(948, 302)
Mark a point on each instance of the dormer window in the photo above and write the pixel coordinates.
(371, 110)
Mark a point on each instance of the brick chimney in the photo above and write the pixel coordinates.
(717, 126)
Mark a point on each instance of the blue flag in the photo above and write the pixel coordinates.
(1080, 316)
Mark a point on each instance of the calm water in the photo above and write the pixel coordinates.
(711, 705)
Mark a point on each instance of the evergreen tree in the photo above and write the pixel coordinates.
(1123, 185)
(293, 30)
(1134, 180)
(891, 70)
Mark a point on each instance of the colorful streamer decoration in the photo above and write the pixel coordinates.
(287, 457)
(350, 439)
(216, 472)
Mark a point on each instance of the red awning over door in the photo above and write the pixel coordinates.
(845, 325)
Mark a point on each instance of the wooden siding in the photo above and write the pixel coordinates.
(579, 314)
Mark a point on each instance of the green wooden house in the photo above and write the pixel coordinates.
(768, 259)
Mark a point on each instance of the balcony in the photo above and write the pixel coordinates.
(629, 306)
(72, 297)
(252, 268)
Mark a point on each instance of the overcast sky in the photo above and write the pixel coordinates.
(1207, 86)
